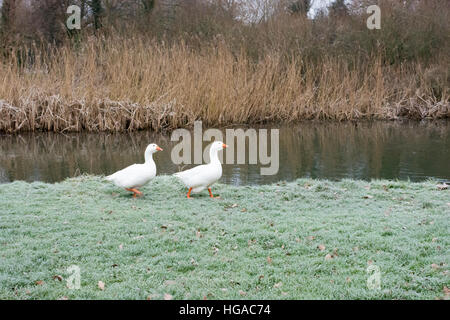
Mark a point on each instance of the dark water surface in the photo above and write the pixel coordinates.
(366, 150)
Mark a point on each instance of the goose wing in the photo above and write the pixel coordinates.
(135, 175)
(202, 175)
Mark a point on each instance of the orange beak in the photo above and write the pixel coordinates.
(224, 145)
(158, 148)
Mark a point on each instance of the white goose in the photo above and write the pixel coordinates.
(201, 177)
(136, 175)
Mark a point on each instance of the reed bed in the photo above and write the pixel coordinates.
(132, 84)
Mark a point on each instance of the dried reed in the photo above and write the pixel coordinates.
(132, 84)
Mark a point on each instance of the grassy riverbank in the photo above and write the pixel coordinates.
(299, 240)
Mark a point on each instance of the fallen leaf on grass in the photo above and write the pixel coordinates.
(269, 260)
(242, 293)
(57, 277)
(321, 247)
(167, 296)
(40, 282)
(368, 197)
(277, 285)
(120, 246)
(101, 285)
(443, 186)
(328, 257)
(310, 238)
(446, 292)
(434, 266)
(170, 282)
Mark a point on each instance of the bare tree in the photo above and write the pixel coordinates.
(49, 19)
(148, 5)
(299, 7)
(338, 9)
(8, 15)
(97, 11)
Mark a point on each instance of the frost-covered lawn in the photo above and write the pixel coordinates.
(308, 239)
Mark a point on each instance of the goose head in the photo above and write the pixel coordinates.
(217, 146)
(152, 148)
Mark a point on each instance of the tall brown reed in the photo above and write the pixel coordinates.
(118, 84)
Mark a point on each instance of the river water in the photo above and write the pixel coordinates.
(326, 150)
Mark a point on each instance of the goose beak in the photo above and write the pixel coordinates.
(158, 148)
(224, 145)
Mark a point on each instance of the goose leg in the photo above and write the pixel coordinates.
(135, 191)
(210, 193)
(189, 193)
(131, 190)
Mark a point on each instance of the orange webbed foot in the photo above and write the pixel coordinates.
(135, 191)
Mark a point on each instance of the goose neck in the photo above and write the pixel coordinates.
(214, 156)
(148, 157)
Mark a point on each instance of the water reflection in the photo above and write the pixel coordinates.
(389, 150)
